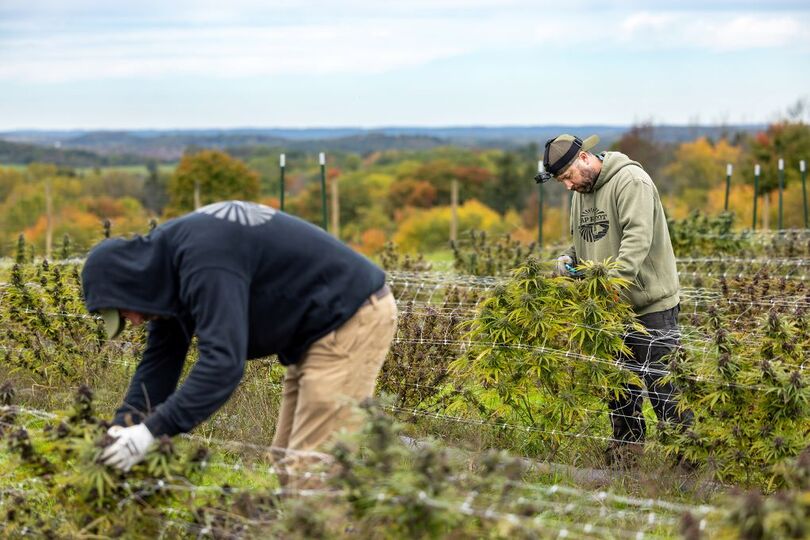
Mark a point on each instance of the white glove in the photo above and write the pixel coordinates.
(559, 268)
(129, 447)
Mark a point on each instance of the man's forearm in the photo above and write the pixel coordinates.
(157, 374)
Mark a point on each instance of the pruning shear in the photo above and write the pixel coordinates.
(573, 271)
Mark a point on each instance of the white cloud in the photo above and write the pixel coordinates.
(353, 46)
(749, 32)
(647, 21)
(258, 38)
(714, 31)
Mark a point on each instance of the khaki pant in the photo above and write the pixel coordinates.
(320, 392)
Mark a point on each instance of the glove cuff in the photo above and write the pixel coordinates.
(144, 435)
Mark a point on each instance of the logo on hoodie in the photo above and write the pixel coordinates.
(593, 224)
(244, 213)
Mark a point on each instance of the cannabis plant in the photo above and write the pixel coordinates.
(750, 394)
(542, 357)
(481, 255)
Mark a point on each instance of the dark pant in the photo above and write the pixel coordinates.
(646, 362)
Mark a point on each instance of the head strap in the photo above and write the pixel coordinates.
(554, 168)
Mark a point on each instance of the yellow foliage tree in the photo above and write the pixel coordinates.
(427, 230)
(699, 166)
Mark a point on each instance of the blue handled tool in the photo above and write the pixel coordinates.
(572, 269)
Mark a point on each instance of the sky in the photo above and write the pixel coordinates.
(158, 64)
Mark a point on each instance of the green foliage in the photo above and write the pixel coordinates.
(361, 194)
(704, 235)
(155, 196)
(511, 185)
(542, 354)
(481, 255)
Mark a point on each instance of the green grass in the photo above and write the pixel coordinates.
(440, 257)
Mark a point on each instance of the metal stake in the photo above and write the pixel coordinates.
(322, 159)
(729, 170)
(282, 162)
(756, 192)
(781, 188)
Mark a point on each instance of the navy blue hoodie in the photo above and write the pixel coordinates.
(247, 280)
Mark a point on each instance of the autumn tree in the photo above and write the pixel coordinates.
(428, 230)
(411, 192)
(218, 176)
(512, 182)
(79, 205)
(699, 166)
(440, 174)
(361, 194)
(785, 139)
(640, 144)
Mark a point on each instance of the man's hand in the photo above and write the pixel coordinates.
(559, 267)
(129, 447)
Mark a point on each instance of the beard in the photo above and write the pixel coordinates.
(588, 182)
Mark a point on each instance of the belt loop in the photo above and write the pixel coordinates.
(375, 297)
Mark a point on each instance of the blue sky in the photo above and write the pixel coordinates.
(284, 63)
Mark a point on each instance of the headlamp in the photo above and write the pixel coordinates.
(542, 177)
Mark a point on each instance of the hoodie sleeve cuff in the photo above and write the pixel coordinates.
(160, 426)
(127, 419)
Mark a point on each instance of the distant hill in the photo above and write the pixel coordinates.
(122, 147)
(23, 154)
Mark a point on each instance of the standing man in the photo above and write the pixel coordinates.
(616, 212)
(248, 281)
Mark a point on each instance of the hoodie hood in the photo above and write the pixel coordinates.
(612, 162)
(133, 274)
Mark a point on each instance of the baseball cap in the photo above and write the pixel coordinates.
(113, 322)
(560, 153)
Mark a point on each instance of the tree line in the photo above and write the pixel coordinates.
(396, 194)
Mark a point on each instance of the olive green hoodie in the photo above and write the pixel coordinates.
(623, 219)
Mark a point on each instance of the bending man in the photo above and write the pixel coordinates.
(248, 282)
